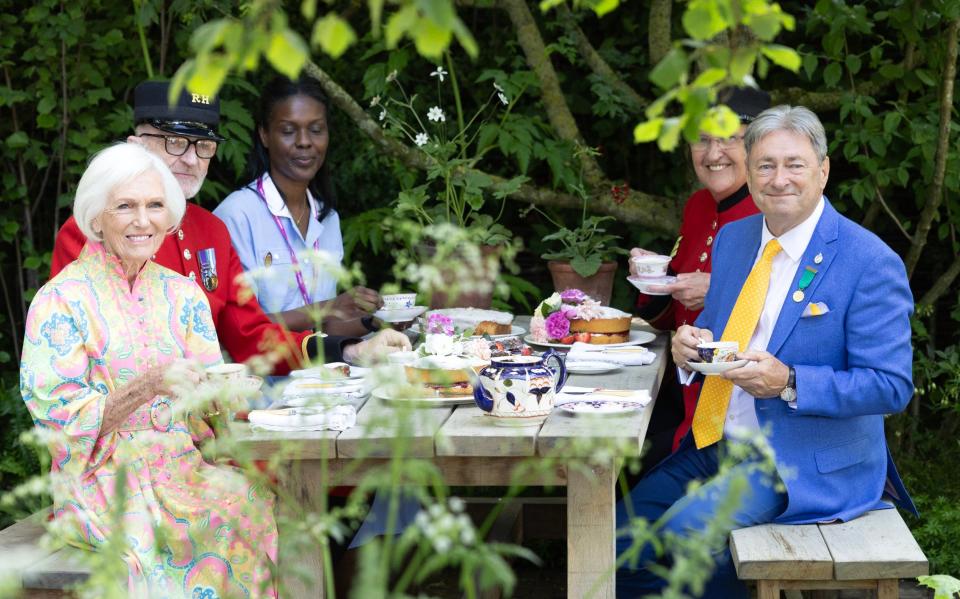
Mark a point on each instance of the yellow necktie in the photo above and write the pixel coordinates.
(711, 410)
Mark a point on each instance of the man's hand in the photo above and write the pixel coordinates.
(684, 346)
(638, 252)
(690, 289)
(764, 376)
(385, 342)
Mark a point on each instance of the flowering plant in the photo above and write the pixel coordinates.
(454, 192)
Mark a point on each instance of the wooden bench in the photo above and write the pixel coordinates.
(43, 573)
(872, 552)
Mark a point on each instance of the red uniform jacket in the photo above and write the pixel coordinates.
(702, 218)
(242, 326)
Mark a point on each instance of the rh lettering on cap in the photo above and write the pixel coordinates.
(199, 99)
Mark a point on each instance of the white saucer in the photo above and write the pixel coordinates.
(715, 368)
(401, 315)
(645, 283)
(393, 395)
(590, 366)
(600, 408)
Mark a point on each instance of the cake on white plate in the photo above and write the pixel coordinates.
(481, 322)
(572, 316)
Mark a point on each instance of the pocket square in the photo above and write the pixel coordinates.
(815, 309)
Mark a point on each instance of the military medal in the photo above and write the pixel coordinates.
(805, 279)
(208, 268)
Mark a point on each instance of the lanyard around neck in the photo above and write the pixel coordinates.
(286, 238)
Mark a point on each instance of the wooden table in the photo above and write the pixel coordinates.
(470, 450)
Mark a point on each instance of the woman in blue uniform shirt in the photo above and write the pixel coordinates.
(288, 213)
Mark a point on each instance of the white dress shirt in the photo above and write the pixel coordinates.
(741, 415)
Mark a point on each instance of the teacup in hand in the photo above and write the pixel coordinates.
(718, 351)
(399, 301)
(650, 265)
(227, 372)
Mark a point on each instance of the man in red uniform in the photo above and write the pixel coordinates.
(721, 166)
(185, 136)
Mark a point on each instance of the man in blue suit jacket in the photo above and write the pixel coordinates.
(830, 356)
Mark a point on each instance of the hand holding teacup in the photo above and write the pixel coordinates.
(764, 376)
(685, 342)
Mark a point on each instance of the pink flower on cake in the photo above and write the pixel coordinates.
(537, 328)
(439, 324)
(557, 325)
(573, 296)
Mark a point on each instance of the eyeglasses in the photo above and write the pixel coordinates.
(177, 145)
(725, 143)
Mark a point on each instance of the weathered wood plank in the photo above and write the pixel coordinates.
(300, 564)
(780, 551)
(590, 532)
(384, 429)
(470, 432)
(578, 436)
(306, 445)
(20, 544)
(60, 569)
(463, 471)
(875, 545)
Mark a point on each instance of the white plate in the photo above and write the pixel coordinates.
(644, 284)
(715, 368)
(401, 315)
(322, 372)
(515, 331)
(636, 338)
(608, 407)
(590, 366)
(388, 394)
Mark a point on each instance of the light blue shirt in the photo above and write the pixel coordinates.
(265, 255)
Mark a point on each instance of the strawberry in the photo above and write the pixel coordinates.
(568, 339)
(526, 351)
(583, 337)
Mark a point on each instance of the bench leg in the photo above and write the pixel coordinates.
(888, 589)
(591, 542)
(301, 478)
(768, 589)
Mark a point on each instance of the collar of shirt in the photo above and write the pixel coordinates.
(275, 202)
(794, 242)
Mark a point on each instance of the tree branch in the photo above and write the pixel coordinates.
(943, 143)
(658, 30)
(552, 96)
(941, 285)
(655, 212)
(598, 65)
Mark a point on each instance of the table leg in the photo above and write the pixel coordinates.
(590, 532)
(301, 560)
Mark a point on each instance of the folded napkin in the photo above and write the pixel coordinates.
(632, 355)
(573, 393)
(312, 418)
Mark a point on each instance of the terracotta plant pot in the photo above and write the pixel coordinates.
(446, 298)
(599, 286)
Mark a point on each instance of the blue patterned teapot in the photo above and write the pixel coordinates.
(520, 389)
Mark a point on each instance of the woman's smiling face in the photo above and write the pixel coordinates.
(296, 137)
(135, 220)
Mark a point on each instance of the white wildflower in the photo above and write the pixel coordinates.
(457, 505)
(503, 98)
(436, 510)
(439, 345)
(439, 73)
(436, 114)
(421, 139)
(497, 87)
(392, 76)
(374, 101)
(383, 115)
(442, 545)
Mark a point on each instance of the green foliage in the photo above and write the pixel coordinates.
(944, 587)
(586, 247)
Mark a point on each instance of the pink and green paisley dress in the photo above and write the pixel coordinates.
(192, 529)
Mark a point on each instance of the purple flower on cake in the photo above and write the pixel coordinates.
(557, 325)
(439, 324)
(573, 296)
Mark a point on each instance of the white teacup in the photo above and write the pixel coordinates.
(650, 265)
(403, 357)
(718, 351)
(227, 371)
(399, 301)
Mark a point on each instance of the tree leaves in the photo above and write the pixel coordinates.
(333, 34)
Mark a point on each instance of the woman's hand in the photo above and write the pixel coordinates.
(355, 303)
(690, 289)
(385, 342)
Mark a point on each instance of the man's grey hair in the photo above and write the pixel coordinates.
(114, 166)
(797, 119)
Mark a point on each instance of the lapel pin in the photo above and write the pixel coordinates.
(180, 234)
(818, 259)
(268, 259)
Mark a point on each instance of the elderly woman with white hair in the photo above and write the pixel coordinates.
(104, 339)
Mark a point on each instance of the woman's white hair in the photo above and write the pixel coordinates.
(114, 166)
